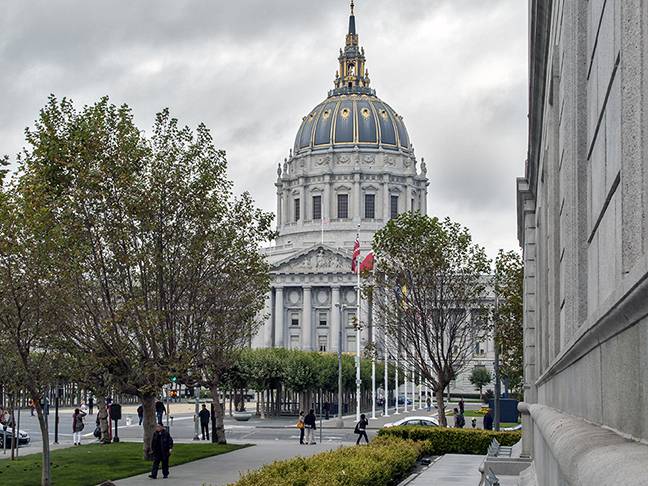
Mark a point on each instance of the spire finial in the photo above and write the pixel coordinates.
(352, 7)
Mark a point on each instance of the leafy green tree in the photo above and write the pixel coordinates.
(509, 287)
(480, 377)
(431, 294)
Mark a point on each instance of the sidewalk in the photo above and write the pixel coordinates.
(451, 470)
(228, 468)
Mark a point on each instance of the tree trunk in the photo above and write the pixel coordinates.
(102, 415)
(261, 404)
(218, 427)
(148, 424)
(46, 474)
(443, 422)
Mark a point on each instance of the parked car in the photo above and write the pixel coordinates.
(417, 421)
(6, 438)
(516, 427)
(401, 400)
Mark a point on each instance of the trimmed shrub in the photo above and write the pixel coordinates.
(441, 440)
(382, 463)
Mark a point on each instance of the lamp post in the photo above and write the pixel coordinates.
(339, 423)
(496, 401)
(196, 411)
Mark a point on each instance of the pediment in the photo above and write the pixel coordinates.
(319, 259)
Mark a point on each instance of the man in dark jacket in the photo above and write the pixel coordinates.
(140, 413)
(488, 420)
(161, 446)
(204, 421)
(160, 410)
(309, 424)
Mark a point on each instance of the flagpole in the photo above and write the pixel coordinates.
(358, 332)
(396, 380)
(386, 358)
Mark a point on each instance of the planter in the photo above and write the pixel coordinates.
(242, 416)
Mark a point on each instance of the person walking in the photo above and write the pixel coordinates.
(161, 446)
(77, 425)
(31, 407)
(300, 426)
(140, 413)
(429, 404)
(204, 417)
(459, 419)
(462, 406)
(160, 410)
(309, 423)
(488, 420)
(361, 429)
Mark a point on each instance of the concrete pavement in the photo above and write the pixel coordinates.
(228, 468)
(451, 470)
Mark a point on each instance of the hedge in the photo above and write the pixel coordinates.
(441, 440)
(384, 462)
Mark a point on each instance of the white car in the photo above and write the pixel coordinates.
(416, 421)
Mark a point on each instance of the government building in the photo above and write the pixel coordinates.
(352, 168)
(582, 224)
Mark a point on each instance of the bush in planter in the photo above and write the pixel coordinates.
(441, 440)
(382, 463)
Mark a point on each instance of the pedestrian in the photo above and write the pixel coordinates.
(361, 429)
(161, 447)
(461, 405)
(31, 407)
(429, 404)
(459, 419)
(77, 425)
(309, 424)
(91, 404)
(327, 407)
(300, 426)
(160, 410)
(204, 416)
(474, 423)
(140, 413)
(488, 420)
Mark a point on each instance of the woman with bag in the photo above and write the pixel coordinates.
(300, 426)
(361, 429)
(77, 425)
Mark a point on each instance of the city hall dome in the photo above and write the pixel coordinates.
(350, 120)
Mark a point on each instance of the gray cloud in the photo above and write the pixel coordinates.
(455, 69)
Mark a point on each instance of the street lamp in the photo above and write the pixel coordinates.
(339, 423)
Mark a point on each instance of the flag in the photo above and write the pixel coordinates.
(356, 254)
(367, 264)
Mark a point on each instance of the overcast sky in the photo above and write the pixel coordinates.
(456, 70)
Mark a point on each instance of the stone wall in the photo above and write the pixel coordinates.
(582, 210)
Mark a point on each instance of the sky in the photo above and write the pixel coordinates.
(456, 70)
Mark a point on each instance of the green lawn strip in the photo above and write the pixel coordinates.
(468, 413)
(93, 464)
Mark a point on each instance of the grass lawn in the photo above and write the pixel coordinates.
(93, 464)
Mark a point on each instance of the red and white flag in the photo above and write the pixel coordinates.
(367, 264)
(356, 254)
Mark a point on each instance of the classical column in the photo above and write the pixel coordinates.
(326, 199)
(334, 337)
(356, 198)
(307, 328)
(279, 317)
(267, 326)
(279, 218)
(386, 199)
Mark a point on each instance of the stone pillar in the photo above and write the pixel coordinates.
(356, 198)
(386, 199)
(267, 326)
(326, 199)
(279, 318)
(302, 201)
(307, 328)
(335, 319)
(425, 197)
(279, 208)
(286, 207)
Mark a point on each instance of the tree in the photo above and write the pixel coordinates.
(480, 377)
(509, 287)
(29, 293)
(431, 294)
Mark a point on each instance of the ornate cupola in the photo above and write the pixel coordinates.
(353, 75)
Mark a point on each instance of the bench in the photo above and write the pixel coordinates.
(490, 479)
(496, 450)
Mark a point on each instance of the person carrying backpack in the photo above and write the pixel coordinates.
(361, 429)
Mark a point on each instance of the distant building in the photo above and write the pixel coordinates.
(352, 165)
(583, 228)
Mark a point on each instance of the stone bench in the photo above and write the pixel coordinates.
(496, 450)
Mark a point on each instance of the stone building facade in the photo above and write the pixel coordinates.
(583, 229)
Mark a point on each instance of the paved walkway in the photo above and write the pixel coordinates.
(227, 468)
(451, 470)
